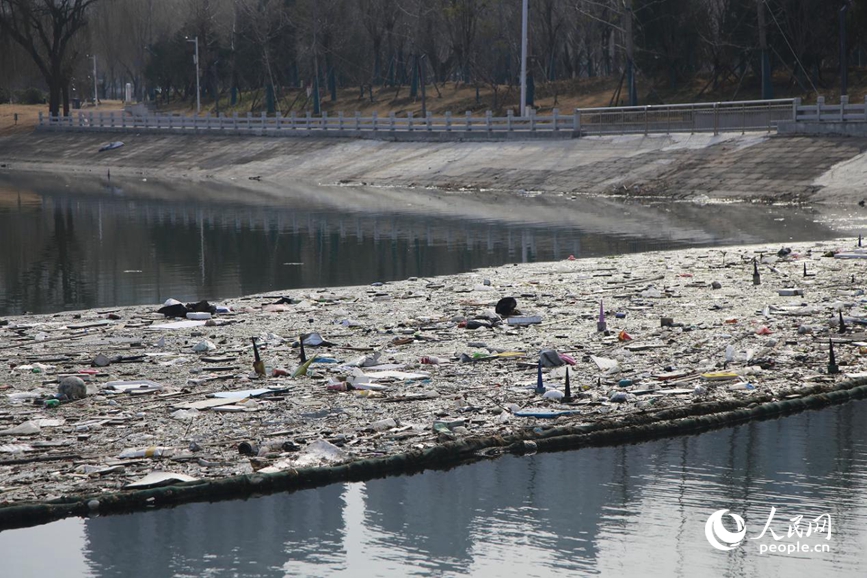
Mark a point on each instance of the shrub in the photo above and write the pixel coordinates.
(30, 96)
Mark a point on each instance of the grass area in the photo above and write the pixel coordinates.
(453, 97)
(565, 95)
(28, 115)
(458, 98)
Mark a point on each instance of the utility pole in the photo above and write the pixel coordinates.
(844, 67)
(524, 19)
(196, 60)
(95, 93)
(767, 86)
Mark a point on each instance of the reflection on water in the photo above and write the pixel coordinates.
(82, 244)
(626, 511)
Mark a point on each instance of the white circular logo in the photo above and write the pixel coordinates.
(718, 536)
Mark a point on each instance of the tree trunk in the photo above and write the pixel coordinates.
(377, 62)
(65, 93)
(53, 96)
(630, 63)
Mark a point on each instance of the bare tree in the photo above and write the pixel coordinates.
(46, 29)
(462, 18)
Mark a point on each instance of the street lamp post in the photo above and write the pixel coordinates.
(844, 71)
(524, 18)
(196, 60)
(95, 93)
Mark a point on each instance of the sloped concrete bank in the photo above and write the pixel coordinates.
(752, 167)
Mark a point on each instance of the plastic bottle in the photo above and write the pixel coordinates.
(151, 452)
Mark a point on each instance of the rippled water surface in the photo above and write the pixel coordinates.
(636, 510)
(78, 244)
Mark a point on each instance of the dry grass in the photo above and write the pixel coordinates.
(440, 99)
(28, 115)
(458, 98)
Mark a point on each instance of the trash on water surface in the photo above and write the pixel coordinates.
(506, 306)
(149, 452)
(393, 369)
(384, 424)
(185, 414)
(604, 363)
(320, 452)
(245, 393)
(544, 414)
(133, 386)
(527, 320)
(204, 346)
(177, 325)
(198, 315)
(25, 429)
(157, 479)
(72, 387)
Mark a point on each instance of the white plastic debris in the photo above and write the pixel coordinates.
(320, 452)
(204, 346)
(48, 422)
(384, 424)
(198, 315)
(151, 452)
(25, 429)
(186, 414)
(604, 363)
(15, 448)
(178, 325)
(133, 386)
(156, 479)
(365, 360)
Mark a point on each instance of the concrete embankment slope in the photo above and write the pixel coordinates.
(752, 166)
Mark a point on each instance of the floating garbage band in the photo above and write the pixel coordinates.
(636, 428)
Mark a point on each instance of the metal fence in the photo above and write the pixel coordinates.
(754, 115)
(822, 112)
(751, 115)
(298, 124)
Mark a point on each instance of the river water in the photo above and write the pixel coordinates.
(78, 244)
(638, 510)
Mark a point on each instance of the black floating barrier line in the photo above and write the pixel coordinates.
(630, 429)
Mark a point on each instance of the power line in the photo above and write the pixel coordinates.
(792, 50)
